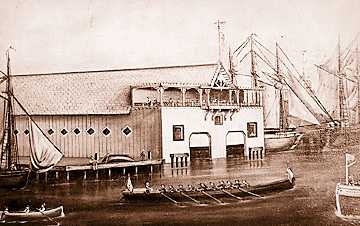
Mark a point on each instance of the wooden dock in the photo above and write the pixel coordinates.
(106, 169)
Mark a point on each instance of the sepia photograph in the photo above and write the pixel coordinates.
(179, 112)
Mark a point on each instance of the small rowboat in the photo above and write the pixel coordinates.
(142, 194)
(47, 215)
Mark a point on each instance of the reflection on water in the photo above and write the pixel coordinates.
(311, 202)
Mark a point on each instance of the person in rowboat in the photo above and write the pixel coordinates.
(191, 188)
(228, 184)
(221, 185)
(171, 188)
(212, 186)
(236, 184)
(203, 187)
(162, 188)
(27, 209)
(148, 187)
(43, 207)
(244, 184)
(181, 188)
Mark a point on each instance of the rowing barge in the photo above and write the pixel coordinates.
(45, 215)
(143, 194)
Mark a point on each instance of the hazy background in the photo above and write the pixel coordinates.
(57, 36)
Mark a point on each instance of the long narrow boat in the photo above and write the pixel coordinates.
(47, 215)
(141, 194)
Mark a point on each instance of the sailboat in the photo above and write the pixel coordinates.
(338, 88)
(286, 95)
(43, 154)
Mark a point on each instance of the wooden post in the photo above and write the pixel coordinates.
(109, 173)
(97, 175)
(46, 177)
(56, 175)
(84, 178)
(136, 170)
(200, 91)
(67, 176)
(124, 171)
(207, 91)
(161, 91)
(183, 91)
(151, 169)
(37, 176)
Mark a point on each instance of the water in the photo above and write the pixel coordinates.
(311, 202)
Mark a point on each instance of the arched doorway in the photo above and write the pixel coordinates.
(200, 145)
(235, 144)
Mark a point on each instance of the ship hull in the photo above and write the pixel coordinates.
(347, 200)
(281, 141)
(12, 180)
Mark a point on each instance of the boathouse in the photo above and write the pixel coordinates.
(200, 111)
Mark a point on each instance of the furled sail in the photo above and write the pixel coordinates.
(44, 155)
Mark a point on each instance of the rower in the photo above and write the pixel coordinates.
(148, 187)
(221, 185)
(171, 188)
(181, 188)
(212, 185)
(27, 209)
(43, 207)
(191, 188)
(236, 184)
(203, 186)
(245, 183)
(228, 184)
(162, 188)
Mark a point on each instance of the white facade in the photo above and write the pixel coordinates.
(197, 122)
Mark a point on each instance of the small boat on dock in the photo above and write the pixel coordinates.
(21, 216)
(235, 190)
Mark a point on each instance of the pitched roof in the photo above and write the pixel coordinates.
(97, 92)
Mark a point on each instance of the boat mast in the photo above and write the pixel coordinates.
(9, 147)
(342, 100)
(358, 81)
(253, 66)
(283, 120)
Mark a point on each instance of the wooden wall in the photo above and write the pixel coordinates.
(144, 122)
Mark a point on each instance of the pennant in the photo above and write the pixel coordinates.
(350, 159)
(129, 185)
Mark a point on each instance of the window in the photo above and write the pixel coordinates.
(90, 131)
(51, 131)
(218, 120)
(77, 131)
(106, 131)
(63, 132)
(126, 130)
(252, 129)
(178, 132)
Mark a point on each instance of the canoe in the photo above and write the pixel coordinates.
(140, 194)
(47, 215)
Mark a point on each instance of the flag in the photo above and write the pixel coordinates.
(43, 154)
(129, 185)
(350, 159)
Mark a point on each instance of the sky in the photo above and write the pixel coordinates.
(60, 36)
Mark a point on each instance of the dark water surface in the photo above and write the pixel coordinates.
(311, 202)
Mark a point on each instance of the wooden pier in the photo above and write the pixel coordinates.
(99, 171)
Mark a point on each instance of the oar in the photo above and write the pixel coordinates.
(243, 190)
(172, 200)
(194, 200)
(51, 219)
(232, 195)
(217, 200)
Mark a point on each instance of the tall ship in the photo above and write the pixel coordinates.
(289, 101)
(338, 85)
(43, 153)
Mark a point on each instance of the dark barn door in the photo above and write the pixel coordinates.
(200, 146)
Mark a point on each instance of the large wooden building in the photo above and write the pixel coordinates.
(197, 110)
